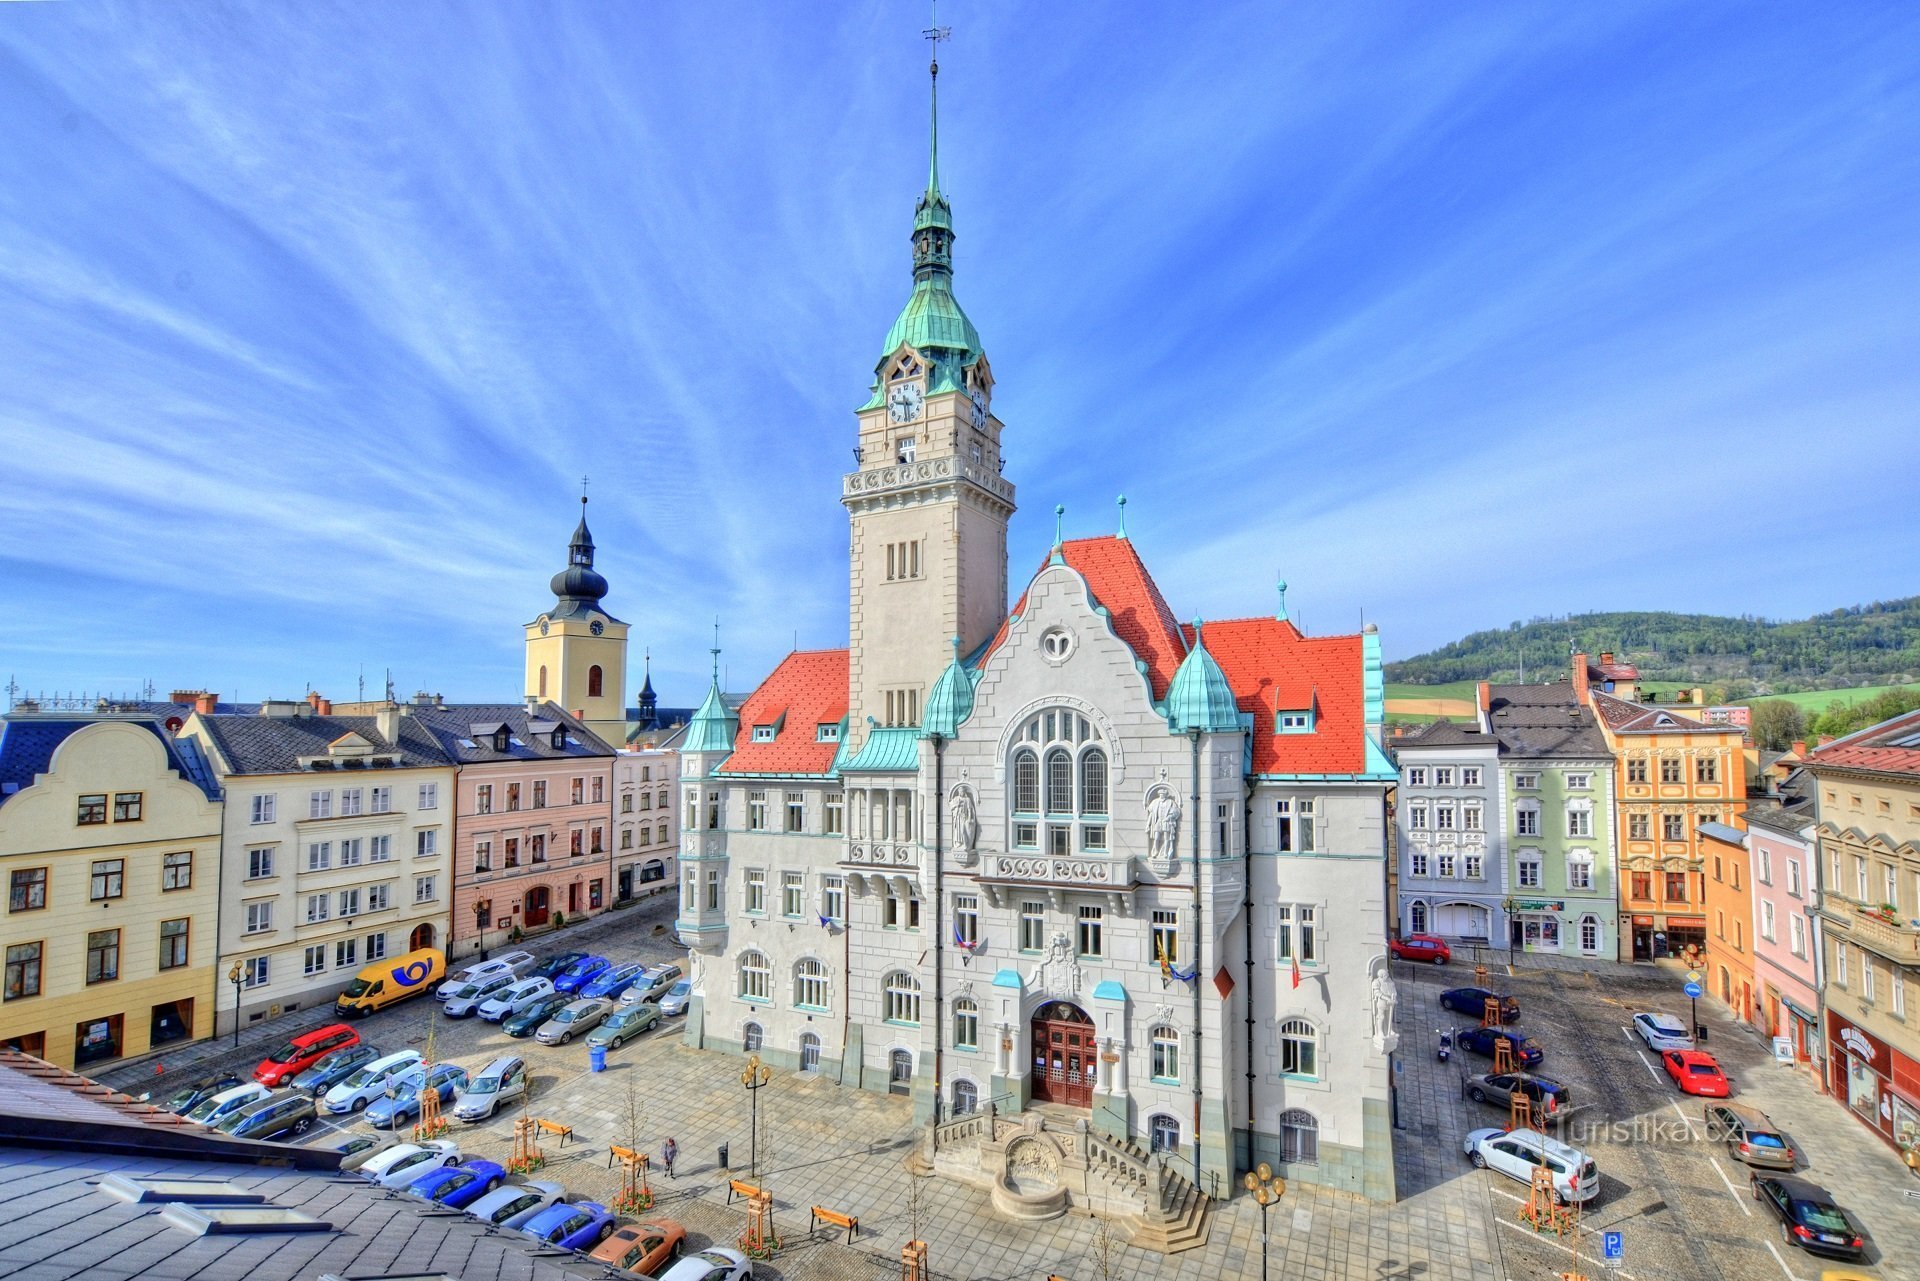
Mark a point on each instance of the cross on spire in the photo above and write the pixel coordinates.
(716, 649)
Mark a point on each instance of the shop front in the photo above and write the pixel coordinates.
(1879, 1084)
(1796, 1023)
(1536, 924)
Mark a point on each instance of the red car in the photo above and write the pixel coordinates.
(302, 1052)
(1420, 947)
(1695, 1072)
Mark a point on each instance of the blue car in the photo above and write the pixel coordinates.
(1481, 1040)
(610, 982)
(401, 1104)
(572, 1227)
(580, 973)
(459, 1186)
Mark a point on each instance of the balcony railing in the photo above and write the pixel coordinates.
(1900, 941)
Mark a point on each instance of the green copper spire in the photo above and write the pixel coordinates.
(1199, 699)
(714, 725)
(951, 701)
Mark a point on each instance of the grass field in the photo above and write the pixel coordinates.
(1417, 704)
(1816, 700)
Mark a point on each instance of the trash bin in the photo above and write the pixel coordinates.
(1700, 1032)
(723, 1156)
(597, 1057)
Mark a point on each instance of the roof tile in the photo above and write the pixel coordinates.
(811, 688)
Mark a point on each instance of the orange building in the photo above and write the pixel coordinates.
(1729, 972)
(1674, 773)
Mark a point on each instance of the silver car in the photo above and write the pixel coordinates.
(650, 983)
(466, 998)
(674, 1003)
(502, 1081)
(575, 1019)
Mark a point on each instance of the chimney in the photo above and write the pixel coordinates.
(1825, 739)
(203, 702)
(1699, 697)
(1606, 658)
(313, 699)
(422, 699)
(280, 708)
(323, 707)
(388, 721)
(185, 695)
(533, 705)
(1580, 678)
(1800, 747)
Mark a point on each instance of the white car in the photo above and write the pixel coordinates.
(368, 1084)
(512, 964)
(1515, 1153)
(715, 1263)
(224, 1104)
(511, 1000)
(1662, 1032)
(466, 998)
(515, 1204)
(403, 1163)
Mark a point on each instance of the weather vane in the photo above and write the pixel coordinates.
(935, 34)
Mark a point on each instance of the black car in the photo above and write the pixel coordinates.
(528, 1021)
(1481, 1040)
(1809, 1218)
(284, 1114)
(191, 1095)
(553, 965)
(335, 1068)
(1473, 1000)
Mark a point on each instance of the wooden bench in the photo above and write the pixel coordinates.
(821, 1214)
(628, 1155)
(736, 1188)
(554, 1127)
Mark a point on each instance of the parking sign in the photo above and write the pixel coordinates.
(1614, 1247)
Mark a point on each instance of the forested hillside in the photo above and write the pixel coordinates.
(1865, 644)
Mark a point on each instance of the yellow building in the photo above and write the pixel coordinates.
(576, 651)
(110, 843)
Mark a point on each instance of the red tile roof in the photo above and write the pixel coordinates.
(1891, 747)
(809, 688)
(1120, 583)
(1272, 668)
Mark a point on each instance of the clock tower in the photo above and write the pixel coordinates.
(576, 651)
(928, 505)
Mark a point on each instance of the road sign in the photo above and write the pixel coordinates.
(1693, 976)
(1694, 990)
(1614, 1247)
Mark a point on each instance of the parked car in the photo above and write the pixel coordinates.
(367, 1083)
(402, 1164)
(185, 1098)
(302, 1052)
(651, 982)
(1749, 1135)
(512, 1000)
(674, 1003)
(1420, 947)
(457, 979)
(612, 980)
(468, 996)
(1809, 1216)
(335, 1068)
(390, 981)
(531, 1019)
(1500, 1087)
(715, 1263)
(577, 1019)
(1662, 1032)
(1696, 1072)
(514, 1205)
(1473, 1000)
(624, 1024)
(400, 1105)
(284, 1114)
(1515, 1153)
(459, 1186)
(502, 1081)
(362, 1148)
(1481, 1040)
(554, 965)
(212, 1111)
(580, 973)
(572, 1226)
(642, 1249)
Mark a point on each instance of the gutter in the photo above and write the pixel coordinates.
(1246, 907)
(939, 936)
(1198, 935)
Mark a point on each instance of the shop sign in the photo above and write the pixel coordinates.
(1527, 906)
(1783, 1049)
(1858, 1044)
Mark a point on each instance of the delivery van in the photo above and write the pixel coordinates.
(378, 986)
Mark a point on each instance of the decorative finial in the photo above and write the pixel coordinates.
(1123, 517)
(956, 649)
(583, 492)
(934, 35)
(1059, 514)
(1282, 615)
(716, 649)
(1199, 641)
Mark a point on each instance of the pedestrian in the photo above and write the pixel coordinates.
(667, 1152)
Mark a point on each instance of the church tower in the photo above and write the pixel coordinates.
(577, 651)
(928, 505)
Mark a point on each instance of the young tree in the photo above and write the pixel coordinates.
(1777, 723)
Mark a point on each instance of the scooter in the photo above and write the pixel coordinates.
(1446, 1044)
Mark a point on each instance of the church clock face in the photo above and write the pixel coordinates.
(903, 402)
(596, 627)
(544, 626)
(979, 408)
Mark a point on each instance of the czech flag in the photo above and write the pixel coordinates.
(1296, 970)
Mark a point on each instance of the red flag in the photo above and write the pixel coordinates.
(1296, 970)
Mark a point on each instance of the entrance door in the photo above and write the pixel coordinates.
(536, 907)
(809, 1052)
(422, 936)
(900, 1074)
(1064, 1055)
(573, 899)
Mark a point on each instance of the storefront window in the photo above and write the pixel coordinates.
(1863, 1087)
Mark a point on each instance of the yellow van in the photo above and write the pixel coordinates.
(378, 986)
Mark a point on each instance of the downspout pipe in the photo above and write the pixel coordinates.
(1198, 936)
(939, 935)
(1246, 914)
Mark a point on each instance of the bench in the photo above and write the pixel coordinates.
(554, 1127)
(628, 1156)
(851, 1222)
(736, 1188)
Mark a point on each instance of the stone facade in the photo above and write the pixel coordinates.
(646, 797)
(1453, 838)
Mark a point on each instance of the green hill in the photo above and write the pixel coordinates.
(1877, 644)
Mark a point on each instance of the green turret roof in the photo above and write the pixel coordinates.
(1200, 697)
(714, 725)
(951, 701)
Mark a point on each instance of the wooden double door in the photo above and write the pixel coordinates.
(1065, 1055)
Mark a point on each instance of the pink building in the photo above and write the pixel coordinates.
(1786, 938)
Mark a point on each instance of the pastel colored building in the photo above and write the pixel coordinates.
(1729, 963)
(646, 819)
(110, 847)
(1786, 925)
(576, 652)
(1453, 876)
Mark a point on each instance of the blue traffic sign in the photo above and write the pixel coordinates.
(1694, 990)
(1615, 1246)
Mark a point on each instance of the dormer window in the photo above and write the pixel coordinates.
(560, 740)
(763, 733)
(1298, 722)
(500, 736)
(826, 733)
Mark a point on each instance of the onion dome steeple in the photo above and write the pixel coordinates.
(951, 702)
(578, 589)
(1200, 699)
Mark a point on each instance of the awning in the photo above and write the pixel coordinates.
(1805, 1015)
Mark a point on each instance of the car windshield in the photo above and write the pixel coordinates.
(486, 1085)
(681, 988)
(205, 1109)
(356, 988)
(285, 1053)
(567, 1015)
(404, 1090)
(182, 1097)
(516, 1206)
(409, 1160)
(1763, 1140)
(621, 1018)
(359, 1078)
(1821, 1218)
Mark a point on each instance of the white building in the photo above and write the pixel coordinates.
(646, 819)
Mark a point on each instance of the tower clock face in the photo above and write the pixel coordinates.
(979, 408)
(544, 625)
(596, 627)
(903, 402)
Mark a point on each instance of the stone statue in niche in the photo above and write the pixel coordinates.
(966, 823)
(1163, 829)
(1385, 997)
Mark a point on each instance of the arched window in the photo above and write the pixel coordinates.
(1026, 783)
(1059, 782)
(756, 976)
(751, 1038)
(1299, 1049)
(1163, 1132)
(1166, 1054)
(1299, 1137)
(543, 681)
(899, 1072)
(966, 1024)
(902, 992)
(1589, 934)
(594, 680)
(809, 1052)
(966, 1097)
(1417, 917)
(1093, 782)
(810, 985)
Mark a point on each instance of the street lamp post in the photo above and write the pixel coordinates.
(755, 1076)
(1267, 1188)
(1509, 905)
(233, 977)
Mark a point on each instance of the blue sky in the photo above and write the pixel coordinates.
(311, 317)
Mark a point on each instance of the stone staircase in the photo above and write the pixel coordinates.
(1174, 1215)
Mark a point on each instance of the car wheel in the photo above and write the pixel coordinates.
(359, 1105)
(493, 1185)
(1439, 960)
(606, 1230)
(1479, 1160)
(1477, 1094)
(303, 1125)
(565, 1037)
